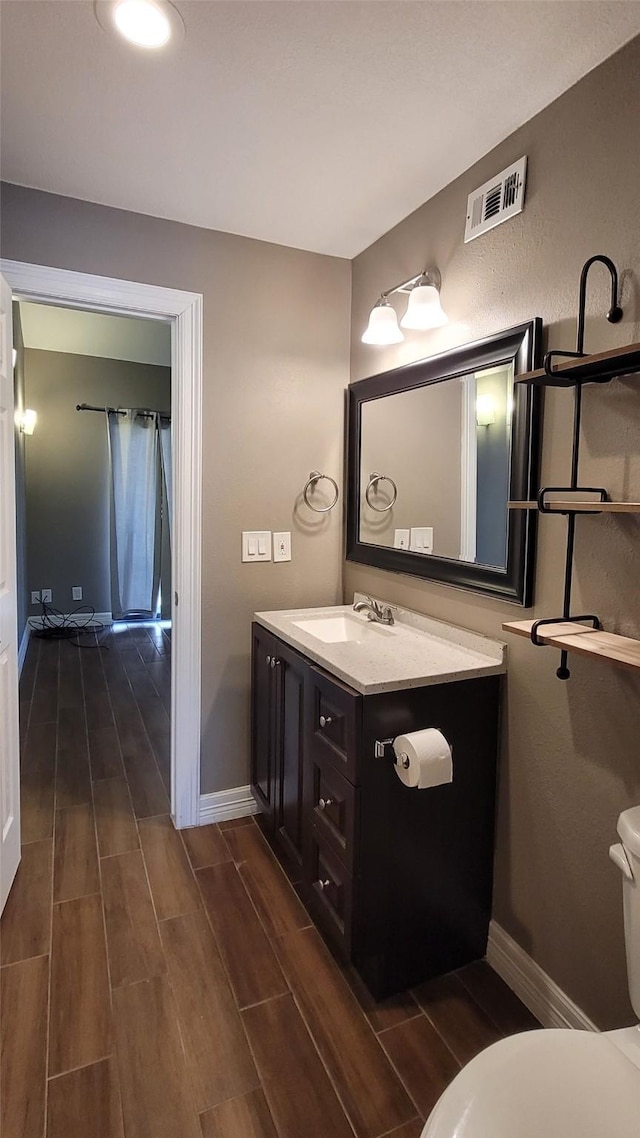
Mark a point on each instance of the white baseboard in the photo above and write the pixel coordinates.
(24, 644)
(100, 617)
(530, 982)
(226, 804)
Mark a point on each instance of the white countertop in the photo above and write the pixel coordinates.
(414, 652)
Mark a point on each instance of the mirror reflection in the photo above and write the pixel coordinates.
(435, 468)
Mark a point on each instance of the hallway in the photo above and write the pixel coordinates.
(158, 984)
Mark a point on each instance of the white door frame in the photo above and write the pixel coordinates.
(184, 309)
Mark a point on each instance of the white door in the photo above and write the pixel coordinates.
(9, 730)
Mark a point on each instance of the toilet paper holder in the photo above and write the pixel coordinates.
(381, 746)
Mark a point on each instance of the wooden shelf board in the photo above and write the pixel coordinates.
(585, 641)
(583, 507)
(589, 369)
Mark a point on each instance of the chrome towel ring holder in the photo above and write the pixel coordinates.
(374, 478)
(314, 477)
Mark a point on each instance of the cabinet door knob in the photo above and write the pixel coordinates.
(268, 660)
(323, 884)
(274, 661)
(325, 720)
(323, 803)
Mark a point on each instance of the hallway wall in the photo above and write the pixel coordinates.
(68, 481)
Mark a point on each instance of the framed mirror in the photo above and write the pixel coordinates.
(436, 449)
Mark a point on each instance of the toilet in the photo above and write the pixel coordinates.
(558, 1083)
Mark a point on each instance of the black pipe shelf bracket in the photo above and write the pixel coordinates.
(576, 376)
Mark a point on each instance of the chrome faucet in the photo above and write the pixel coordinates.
(382, 614)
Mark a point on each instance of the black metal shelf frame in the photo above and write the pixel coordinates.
(566, 378)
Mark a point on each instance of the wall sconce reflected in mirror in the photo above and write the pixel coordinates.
(424, 310)
(485, 410)
(27, 421)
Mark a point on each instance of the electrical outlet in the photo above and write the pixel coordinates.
(282, 547)
(35, 597)
(76, 593)
(401, 539)
(46, 596)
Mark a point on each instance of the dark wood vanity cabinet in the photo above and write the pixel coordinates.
(277, 731)
(398, 880)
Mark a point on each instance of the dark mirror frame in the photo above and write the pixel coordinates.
(519, 346)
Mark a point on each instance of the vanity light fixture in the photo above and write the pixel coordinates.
(485, 410)
(28, 420)
(148, 24)
(424, 310)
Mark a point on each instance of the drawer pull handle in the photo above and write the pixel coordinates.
(325, 720)
(324, 884)
(323, 803)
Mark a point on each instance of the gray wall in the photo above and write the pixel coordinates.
(570, 759)
(414, 437)
(276, 354)
(21, 488)
(68, 483)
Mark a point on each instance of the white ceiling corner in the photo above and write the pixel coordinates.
(308, 123)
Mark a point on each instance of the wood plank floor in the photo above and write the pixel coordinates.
(158, 984)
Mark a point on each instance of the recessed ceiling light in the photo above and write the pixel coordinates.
(145, 23)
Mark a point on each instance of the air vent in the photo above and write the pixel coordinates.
(498, 200)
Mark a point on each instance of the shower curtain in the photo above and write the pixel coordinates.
(136, 526)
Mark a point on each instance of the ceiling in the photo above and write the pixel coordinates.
(308, 123)
(54, 329)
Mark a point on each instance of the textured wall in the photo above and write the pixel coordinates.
(570, 759)
(276, 354)
(68, 482)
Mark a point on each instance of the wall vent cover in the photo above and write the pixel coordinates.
(499, 199)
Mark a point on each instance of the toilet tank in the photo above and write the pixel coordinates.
(629, 831)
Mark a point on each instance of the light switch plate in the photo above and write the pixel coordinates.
(401, 538)
(282, 546)
(421, 539)
(256, 545)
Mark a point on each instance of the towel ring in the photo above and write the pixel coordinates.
(373, 481)
(314, 477)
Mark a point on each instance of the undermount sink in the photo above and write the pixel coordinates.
(341, 629)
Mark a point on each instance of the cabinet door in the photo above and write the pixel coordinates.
(263, 723)
(290, 671)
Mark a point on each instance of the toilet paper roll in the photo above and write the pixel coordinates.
(423, 758)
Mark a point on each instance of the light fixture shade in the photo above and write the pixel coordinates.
(485, 410)
(29, 420)
(424, 310)
(383, 326)
(142, 22)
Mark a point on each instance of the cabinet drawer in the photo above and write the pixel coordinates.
(333, 723)
(333, 809)
(329, 893)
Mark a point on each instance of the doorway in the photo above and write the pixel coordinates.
(93, 493)
(31, 283)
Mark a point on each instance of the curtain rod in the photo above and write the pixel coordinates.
(143, 412)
